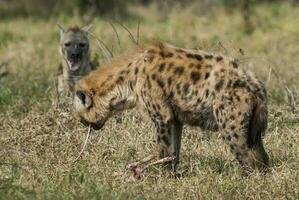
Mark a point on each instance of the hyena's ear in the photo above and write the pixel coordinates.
(87, 28)
(61, 29)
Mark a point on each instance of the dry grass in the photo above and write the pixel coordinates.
(39, 143)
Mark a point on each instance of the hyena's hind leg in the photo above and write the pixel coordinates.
(243, 123)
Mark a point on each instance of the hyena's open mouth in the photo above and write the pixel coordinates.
(74, 63)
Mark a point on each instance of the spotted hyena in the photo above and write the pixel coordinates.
(75, 53)
(178, 86)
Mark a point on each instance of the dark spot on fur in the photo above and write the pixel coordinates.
(194, 56)
(168, 54)
(169, 66)
(235, 65)
(178, 88)
(195, 76)
(120, 80)
(191, 65)
(219, 58)
(221, 107)
(171, 94)
(207, 93)
(219, 85)
(186, 88)
(158, 106)
(216, 112)
(232, 117)
(232, 127)
(179, 70)
(236, 136)
(229, 138)
(136, 71)
(162, 54)
(207, 75)
(165, 140)
(239, 84)
(161, 67)
(160, 83)
(209, 56)
(198, 66)
(154, 76)
(169, 80)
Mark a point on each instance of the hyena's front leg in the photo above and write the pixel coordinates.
(169, 132)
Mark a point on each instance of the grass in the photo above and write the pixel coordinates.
(38, 143)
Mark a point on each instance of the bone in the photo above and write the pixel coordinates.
(137, 171)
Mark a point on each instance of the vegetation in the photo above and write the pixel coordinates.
(38, 142)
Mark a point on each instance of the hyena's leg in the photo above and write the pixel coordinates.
(243, 122)
(169, 129)
(169, 133)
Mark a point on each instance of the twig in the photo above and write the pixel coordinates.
(138, 29)
(130, 34)
(115, 31)
(84, 145)
(108, 54)
(222, 46)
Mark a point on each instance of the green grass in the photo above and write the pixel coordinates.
(38, 143)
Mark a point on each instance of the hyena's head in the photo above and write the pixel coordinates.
(102, 94)
(74, 47)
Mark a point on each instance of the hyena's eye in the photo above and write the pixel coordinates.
(82, 45)
(67, 44)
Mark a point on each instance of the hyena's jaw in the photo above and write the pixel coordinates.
(95, 125)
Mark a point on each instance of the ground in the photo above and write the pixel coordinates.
(39, 143)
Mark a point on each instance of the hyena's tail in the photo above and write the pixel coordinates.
(257, 129)
(258, 123)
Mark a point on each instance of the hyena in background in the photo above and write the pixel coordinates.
(75, 53)
(179, 86)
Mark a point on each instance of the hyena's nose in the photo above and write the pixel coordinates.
(75, 55)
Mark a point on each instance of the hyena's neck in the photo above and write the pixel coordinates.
(124, 78)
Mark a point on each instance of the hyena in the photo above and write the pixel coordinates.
(75, 53)
(177, 86)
